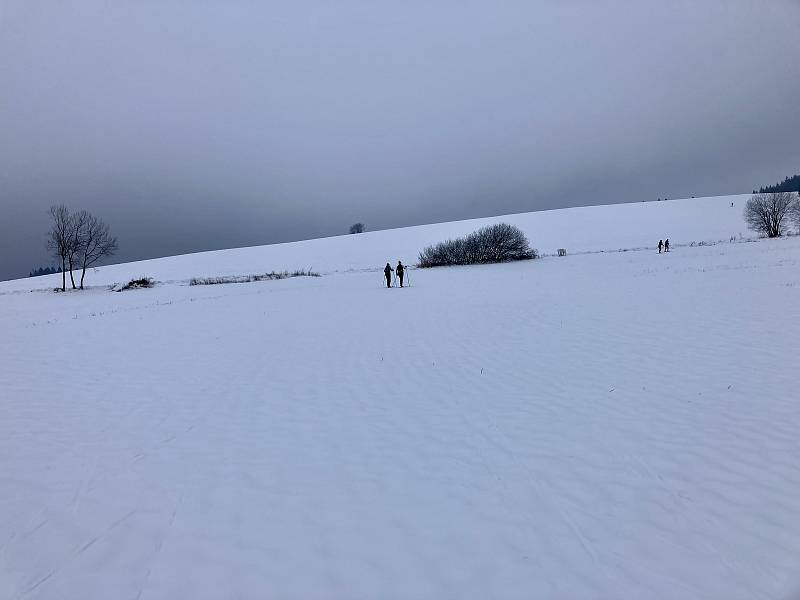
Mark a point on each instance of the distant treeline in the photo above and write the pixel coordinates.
(43, 271)
(790, 184)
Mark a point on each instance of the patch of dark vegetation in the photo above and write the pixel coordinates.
(790, 184)
(496, 243)
(136, 284)
(251, 278)
(44, 271)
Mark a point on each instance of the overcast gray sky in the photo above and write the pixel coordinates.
(194, 124)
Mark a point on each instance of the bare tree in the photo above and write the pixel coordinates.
(357, 228)
(59, 238)
(96, 242)
(766, 213)
(77, 232)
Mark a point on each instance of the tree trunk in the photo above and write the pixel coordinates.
(83, 274)
(71, 278)
(63, 276)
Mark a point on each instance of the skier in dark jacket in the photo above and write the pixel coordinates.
(660, 245)
(400, 272)
(666, 245)
(388, 272)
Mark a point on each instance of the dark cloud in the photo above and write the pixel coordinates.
(194, 125)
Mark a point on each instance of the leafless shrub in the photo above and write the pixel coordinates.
(496, 243)
(357, 228)
(251, 278)
(135, 284)
(303, 273)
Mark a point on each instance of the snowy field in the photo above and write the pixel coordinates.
(584, 229)
(618, 425)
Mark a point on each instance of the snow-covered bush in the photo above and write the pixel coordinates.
(496, 243)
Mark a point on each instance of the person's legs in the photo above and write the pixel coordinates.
(401, 280)
(388, 281)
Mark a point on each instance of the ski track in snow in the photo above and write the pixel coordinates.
(617, 425)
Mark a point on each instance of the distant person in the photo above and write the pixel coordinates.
(387, 271)
(400, 272)
(660, 246)
(666, 245)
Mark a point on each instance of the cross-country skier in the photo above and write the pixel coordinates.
(666, 245)
(388, 272)
(400, 272)
(660, 245)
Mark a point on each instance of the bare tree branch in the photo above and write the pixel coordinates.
(96, 242)
(59, 238)
(76, 242)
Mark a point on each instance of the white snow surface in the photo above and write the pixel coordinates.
(583, 229)
(606, 425)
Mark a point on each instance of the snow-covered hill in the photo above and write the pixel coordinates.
(591, 228)
(606, 425)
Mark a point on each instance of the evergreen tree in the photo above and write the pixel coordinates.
(789, 184)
